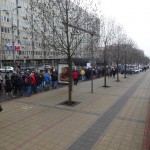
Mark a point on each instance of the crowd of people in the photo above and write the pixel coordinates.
(85, 73)
(25, 83)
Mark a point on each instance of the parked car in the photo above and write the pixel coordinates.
(141, 69)
(128, 71)
(7, 69)
(42, 68)
(135, 70)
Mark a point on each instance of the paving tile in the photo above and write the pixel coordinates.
(109, 119)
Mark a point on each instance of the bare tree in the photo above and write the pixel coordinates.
(120, 39)
(132, 53)
(125, 53)
(107, 39)
(66, 23)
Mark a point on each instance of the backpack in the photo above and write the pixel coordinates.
(16, 80)
(27, 81)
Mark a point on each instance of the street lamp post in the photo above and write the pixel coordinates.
(13, 40)
(125, 73)
(1, 47)
(92, 42)
(12, 28)
(92, 34)
(1, 38)
(1, 44)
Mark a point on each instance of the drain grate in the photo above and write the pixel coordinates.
(67, 103)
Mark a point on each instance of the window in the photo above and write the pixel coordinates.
(7, 19)
(2, 29)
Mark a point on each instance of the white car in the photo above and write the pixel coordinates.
(7, 69)
(44, 67)
(135, 71)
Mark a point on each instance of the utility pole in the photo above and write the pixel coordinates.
(43, 42)
(125, 73)
(32, 35)
(13, 40)
(1, 48)
(92, 42)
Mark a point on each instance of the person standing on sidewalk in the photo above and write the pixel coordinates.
(8, 87)
(75, 76)
(7, 75)
(1, 84)
(82, 73)
(1, 108)
(54, 76)
(33, 83)
(39, 80)
(47, 80)
(113, 72)
(27, 84)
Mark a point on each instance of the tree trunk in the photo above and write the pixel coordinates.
(105, 68)
(125, 73)
(92, 79)
(70, 81)
(105, 76)
(117, 72)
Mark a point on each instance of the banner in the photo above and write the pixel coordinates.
(9, 46)
(88, 65)
(63, 73)
(17, 47)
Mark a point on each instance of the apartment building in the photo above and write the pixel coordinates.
(27, 44)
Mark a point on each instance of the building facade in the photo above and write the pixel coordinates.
(18, 45)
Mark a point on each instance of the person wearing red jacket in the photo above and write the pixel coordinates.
(33, 83)
(75, 76)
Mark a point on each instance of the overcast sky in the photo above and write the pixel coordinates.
(134, 16)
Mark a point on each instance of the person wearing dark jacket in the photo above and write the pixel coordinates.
(16, 83)
(1, 109)
(8, 87)
(27, 84)
(21, 84)
(39, 80)
(1, 83)
(54, 77)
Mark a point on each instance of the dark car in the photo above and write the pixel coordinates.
(25, 68)
(128, 71)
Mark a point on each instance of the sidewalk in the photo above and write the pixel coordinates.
(112, 118)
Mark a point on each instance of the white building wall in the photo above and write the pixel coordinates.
(24, 39)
